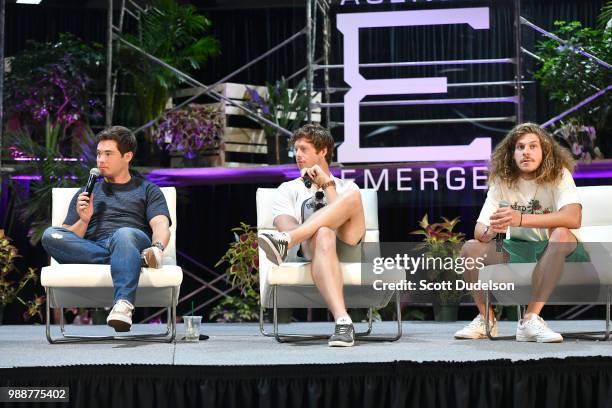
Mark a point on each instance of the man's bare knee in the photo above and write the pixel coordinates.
(325, 240)
(561, 241)
(561, 234)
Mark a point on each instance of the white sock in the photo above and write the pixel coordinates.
(344, 320)
(286, 236)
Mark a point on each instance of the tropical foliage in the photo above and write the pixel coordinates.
(242, 272)
(173, 33)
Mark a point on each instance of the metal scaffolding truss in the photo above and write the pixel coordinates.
(318, 13)
(315, 8)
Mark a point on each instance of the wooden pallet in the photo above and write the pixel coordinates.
(244, 141)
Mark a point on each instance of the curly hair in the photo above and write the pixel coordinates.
(319, 136)
(503, 168)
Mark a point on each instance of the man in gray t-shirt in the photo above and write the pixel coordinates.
(125, 223)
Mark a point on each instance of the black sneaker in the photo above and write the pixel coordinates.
(275, 246)
(344, 336)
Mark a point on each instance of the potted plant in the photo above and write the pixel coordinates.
(191, 135)
(10, 289)
(49, 108)
(286, 107)
(242, 272)
(570, 77)
(440, 241)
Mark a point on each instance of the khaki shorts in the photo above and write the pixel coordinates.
(346, 252)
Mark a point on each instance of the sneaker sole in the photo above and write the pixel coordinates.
(340, 343)
(269, 249)
(470, 338)
(536, 340)
(150, 260)
(119, 325)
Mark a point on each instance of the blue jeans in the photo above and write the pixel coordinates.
(121, 250)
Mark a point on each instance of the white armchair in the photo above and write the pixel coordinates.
(290, 284)
(91, 285)
(581, 282)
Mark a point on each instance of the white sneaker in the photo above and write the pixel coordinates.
(152, 257)
(120, 317)
(476, 329)
(536, 329)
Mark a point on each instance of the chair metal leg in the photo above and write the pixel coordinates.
(603, 335)
(398, 335)
(362, 336)
(487, 325)
(167, 337)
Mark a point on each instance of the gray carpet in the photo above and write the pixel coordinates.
(241, 344)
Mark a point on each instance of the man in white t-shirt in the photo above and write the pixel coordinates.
(325, 218)
(531, 195)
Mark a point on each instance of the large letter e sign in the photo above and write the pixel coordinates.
(349, 25)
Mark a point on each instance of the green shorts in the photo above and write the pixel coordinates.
(521, 251)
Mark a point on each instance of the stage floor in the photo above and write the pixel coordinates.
(241, 344)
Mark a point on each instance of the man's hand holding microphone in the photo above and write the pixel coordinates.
(501, 219)
(314, 175)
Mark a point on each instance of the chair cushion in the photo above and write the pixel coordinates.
(299, 273)
(574, 274)
(93, 275)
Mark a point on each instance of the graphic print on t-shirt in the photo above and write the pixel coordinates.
(532, 207)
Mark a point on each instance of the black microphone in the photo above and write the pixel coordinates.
(499, 238)
(94, 173)
(306, 179)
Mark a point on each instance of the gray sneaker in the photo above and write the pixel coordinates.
(344, 336)
(275, 245)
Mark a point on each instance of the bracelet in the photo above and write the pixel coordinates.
(159, 245)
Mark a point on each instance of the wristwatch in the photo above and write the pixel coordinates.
(328, 184)
(159, 245)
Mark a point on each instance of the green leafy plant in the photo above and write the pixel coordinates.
(570, 77)
(286, 107)
(174, 33)
(49, 89)
(9, 288)
(45, 170)
(49, 110)
(242, 271)
(441, 241)
(605, 18)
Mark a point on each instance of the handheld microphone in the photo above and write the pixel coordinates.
(94, 173)
(499, 238)
(306, 179)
